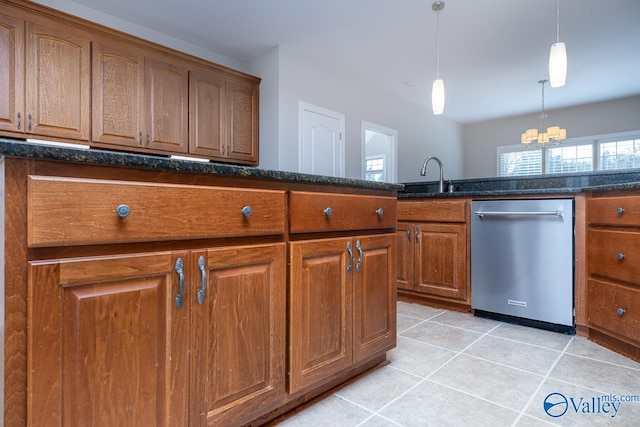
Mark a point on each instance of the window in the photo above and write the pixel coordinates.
(521, 162)
(603, 152)
(619, 154)
(375, 168)
(572, 158)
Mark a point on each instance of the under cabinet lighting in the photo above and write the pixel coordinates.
(189, 158)
(58, 144)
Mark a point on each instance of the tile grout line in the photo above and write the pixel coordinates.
(377, 412)
(546, 377)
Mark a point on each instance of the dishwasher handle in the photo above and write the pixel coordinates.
(519, 213)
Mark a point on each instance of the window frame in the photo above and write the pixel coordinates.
(595, 141)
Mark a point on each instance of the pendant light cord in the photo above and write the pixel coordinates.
(557, 21)
(437, 44)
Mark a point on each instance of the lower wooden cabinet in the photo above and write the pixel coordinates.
(107, 343)
(433, 251)
(432, 259)
(237, 334)
(156, 339)
(613, 272)
(342, 304)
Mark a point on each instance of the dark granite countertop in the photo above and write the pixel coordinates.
(71, 154)
(535, 186)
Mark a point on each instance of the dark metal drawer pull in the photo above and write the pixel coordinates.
(179, 269)
(203, 270)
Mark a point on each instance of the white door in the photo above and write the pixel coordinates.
(321, 142)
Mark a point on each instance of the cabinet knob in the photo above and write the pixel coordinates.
(246, 211)
(379, 211)
(123, 211)
(328, 211)
(621, 311)
(620, 211)
(620, 256)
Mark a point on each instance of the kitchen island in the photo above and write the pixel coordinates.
(434, 246)
(144, 290)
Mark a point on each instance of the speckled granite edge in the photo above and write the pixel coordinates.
(23, 149)
(538, 185)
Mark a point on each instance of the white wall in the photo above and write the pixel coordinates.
(288, 77)
(481, 139)
(420, 133)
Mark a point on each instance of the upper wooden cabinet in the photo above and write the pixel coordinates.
(11, 73)
(139, 101)
(242, 107)
(44, 81)
(223, 117)
(73, 81)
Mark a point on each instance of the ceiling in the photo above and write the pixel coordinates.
(492, 54)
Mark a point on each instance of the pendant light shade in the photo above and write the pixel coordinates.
(437, 96)
(558, 56)
(558, 65)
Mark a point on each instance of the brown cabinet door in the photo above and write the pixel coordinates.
(320, 309)
(117, 96)
(242, 110)
(57, 83)
(374, 313)
(405, 247)
(11, 74)
(107, 344)
(441, 254)
(238, 332)
(167, 106)
(206, 114)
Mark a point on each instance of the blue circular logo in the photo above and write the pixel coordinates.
(555, 405)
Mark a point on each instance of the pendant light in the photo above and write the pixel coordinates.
(437, 90)
(557, 56)
(543, 136)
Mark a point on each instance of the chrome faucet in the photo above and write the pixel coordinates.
(423, 172)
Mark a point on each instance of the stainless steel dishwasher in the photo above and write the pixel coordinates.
(522, 261)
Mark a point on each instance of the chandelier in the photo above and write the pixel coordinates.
(543, 136)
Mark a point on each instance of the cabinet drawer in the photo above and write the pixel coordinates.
(614, 308)
(614, 211)
(433, 210)
(614, 254)
(313, 212)
(69, 211)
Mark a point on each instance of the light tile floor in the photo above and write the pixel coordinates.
(453, 369)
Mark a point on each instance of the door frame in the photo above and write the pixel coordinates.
(392, 158)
